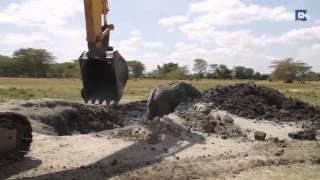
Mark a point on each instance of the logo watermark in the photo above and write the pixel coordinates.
(301, 15)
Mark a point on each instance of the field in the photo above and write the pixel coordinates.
(72, 140)
(69, 89)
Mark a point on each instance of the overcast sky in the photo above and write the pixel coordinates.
(232, 32)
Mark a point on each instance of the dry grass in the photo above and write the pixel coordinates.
(69, 89)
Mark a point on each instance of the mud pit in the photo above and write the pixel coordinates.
(69, 118)
(207, 138)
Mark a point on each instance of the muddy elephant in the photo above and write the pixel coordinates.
(164, 99)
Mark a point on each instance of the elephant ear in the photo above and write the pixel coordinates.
(151, 97)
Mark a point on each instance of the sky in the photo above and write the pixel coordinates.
(249, 33)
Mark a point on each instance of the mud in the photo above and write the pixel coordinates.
(68, 118)
(259, 102)
(248, 101)
(245, 100)
(129, 133)
(199, 117)
(304, 135)
(202, 139)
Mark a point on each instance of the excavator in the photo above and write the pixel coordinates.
(104, 71)
(104, 74)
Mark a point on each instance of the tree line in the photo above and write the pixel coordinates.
(39, 63)
(36, 63)
(202, 70)
(287, 70)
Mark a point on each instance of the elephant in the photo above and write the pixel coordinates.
(164, 99)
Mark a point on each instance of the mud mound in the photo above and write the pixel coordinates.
(199, 117)
(83, 120)
(68, 118)
(259, 102)
(49, 104)
(131, 133)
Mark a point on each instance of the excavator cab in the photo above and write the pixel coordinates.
(104, 72)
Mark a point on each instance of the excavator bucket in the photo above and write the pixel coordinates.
(103, 79)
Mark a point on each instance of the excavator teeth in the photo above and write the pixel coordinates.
(100, 101)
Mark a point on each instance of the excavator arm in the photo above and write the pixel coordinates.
(97, 34)
(104, 71)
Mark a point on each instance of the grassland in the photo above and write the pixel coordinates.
(69, 89)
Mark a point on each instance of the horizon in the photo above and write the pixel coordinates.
(246, 33)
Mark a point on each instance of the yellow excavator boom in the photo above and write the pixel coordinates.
(104, 78)
(96, 24)
(104, 71)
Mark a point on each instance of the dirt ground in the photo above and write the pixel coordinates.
(168, 148)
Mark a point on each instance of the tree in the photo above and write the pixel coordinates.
(249, 73)
(257, 76)
(7, 67)
(37, 63)
(170, 71)
(166, 68)
(241, 72)
(222, 72)
(289, 70)
(200, 67)
(33, 62)
(64, 70)
(312, 76)
(136, 68)
(179, 73)
(265, 77)
(56, 71)
(212, 71)
(212, 68)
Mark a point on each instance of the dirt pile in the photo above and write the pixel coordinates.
(200, 117)
(259, 102)
(246, 100)
(130, 133)
(68, 118)
(304, 135)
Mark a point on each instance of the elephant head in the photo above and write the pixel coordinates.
(164, 99)
(191, 92)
